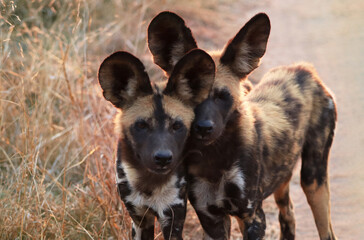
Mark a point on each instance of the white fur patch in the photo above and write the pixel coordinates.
(138, 231)
(119, 180)
(130, 174)
(250, 204)
(161, 199)
(214, 194)
(182, 181)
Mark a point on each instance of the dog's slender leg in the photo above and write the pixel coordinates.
(215, 226)
(145, 233)
(143, 225)
(172, 221)
(143, 219)
(254, 226)
(314, 174)
(286, 213)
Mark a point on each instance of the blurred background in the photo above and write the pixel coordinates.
(57, 146)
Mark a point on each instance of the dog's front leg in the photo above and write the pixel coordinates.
(216, 225)
(254, 226)
(143, 222)
(172, 221)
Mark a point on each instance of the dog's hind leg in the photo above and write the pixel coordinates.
(314, 172)
(286, 213)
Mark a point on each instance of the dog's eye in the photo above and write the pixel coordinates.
(221, 95)
(141, 125)
(177, 125)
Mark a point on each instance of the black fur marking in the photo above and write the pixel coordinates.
(265, 151)
(133, 233)
(258, 126)
(292, 109)
(232, 191)
(159, 113)
(282, 202)
(314, 161)
(148, 233)
(227, 205)
(271, 84)
(301, 77)
(215, 210)
(191, 194)
(124, 73)
(130, 207)
(124, 189)
(282, 140)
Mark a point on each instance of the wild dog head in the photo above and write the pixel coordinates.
(169, 38)
(154, 123)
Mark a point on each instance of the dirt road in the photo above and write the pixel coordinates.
(330, 34)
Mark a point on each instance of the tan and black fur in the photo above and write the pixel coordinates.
(152, 126)
(244, 148)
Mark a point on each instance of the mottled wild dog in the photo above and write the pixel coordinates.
(244, 148)
(153, 127)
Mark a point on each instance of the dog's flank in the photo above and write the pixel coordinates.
(152, 128)
(289, 114)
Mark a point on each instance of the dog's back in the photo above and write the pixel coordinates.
(297, 113)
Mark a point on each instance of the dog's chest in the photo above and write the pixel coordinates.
(210, 163)
(226, 195)
(160, 199)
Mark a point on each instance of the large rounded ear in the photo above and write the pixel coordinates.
(192, 78)
(169, 39)
(242, 54)
(123, 78)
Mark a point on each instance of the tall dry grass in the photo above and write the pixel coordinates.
(56, 137)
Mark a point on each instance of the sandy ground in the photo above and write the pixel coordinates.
(330, 34)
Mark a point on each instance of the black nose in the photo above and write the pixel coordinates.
(163, 157)
(204, 127)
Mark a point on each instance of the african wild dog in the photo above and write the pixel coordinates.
(153, 127)
(243, 149)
